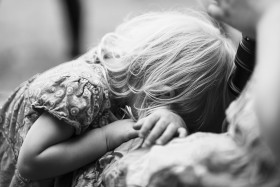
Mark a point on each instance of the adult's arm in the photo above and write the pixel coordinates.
(260, 18)
(267, 76)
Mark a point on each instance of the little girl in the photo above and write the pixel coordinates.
(247, 155)
(72, 114)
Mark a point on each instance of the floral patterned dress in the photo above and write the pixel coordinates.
(75, 92)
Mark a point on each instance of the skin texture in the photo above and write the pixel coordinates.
(268, 76)
(55, 151)
(160, 127)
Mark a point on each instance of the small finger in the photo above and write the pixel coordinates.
(146, 144)
(182, 132)
(157, 131)
(147, 125)
(167, 134)
(138, 124)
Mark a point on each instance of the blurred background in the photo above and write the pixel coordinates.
(36, 35)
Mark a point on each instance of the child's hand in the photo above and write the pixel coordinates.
(160, 127)
(119, 132)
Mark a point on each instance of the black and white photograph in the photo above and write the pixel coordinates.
(139, 93)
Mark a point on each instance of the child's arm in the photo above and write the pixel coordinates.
(50, 149)
(160, 127)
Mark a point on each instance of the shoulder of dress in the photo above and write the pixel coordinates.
(93, 71)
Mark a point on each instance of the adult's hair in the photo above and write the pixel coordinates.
(178, 59)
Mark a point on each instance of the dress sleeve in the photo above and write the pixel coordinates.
(76, 101)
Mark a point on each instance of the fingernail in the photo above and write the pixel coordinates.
(147, 144)
(143, 145)
(158, 142)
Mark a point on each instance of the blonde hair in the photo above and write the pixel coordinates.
(178, 59)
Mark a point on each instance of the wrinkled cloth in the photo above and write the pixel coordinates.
(237, 157)
(75, 92)
(92, 175)
(136, 168)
